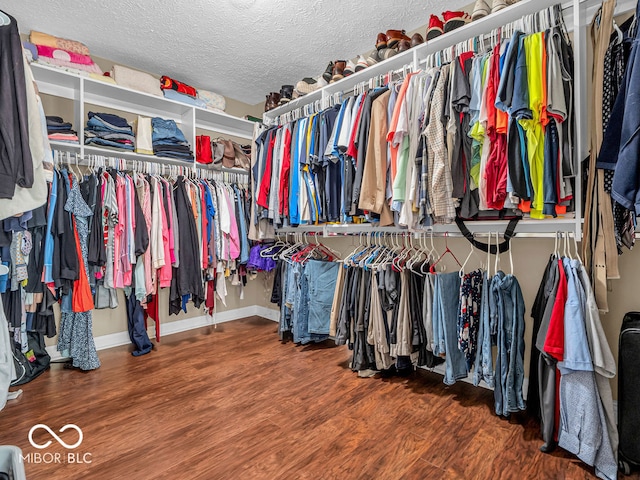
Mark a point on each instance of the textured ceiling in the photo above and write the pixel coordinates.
(239, 48)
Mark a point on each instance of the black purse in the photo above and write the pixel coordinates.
(33, 363)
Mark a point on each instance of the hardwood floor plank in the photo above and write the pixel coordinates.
(233, 402)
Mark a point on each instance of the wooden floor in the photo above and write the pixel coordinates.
(235, 403)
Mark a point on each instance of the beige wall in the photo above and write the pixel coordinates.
(530, 257)
(107, 321)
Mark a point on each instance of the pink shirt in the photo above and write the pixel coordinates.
(119, 232)
(166, 270)
(234, 236)
(168, 195)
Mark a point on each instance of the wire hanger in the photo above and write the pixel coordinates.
(446, 250)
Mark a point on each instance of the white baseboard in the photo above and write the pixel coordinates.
(122, 338)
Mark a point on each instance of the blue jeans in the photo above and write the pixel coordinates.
(112, 121)
(321, 278)
(300, 318)
(166, 130)
(108, 143)
(446, 306)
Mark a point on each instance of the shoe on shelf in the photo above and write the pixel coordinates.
(435, 28)
(373, 57)
(394, 37)
(453, 20)
(498, 5)
(387, 53)
(404, 45)
(381, 41)
(328, 72)
(349, 69)
(286, 93)
(304, 86)
(481, 9)
(416, 40)
(362, 63)
(273, 100)
(338, 70)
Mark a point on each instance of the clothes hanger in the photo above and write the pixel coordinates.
(489, 256)
(496, 265)
(620, 36)
(511, 256)
(464, 264)
(4, 19)
(575, 246)
(447, 250)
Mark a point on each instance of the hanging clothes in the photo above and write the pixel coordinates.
(575, 364)
(76, 335)
(487, 135)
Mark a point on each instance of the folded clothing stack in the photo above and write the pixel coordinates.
(180, 92)
(60, 52)
(169, 141)
(212, 101)
(108, 130)
(60, 131)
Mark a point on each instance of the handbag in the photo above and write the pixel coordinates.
(229, 156)
(217, 151)
(242, 159)
(203, 149)
(31, 364)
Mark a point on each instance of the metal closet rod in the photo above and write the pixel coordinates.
(422, 233)
(144, 166)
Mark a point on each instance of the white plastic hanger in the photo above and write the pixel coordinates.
(489, 256)
(497, 260)
(464, 264)
(4, 20)
(575, 246)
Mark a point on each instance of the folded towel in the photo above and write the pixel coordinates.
(70, 66)
(182, 98)
(58, 53)
(136, 80)
(40, 38)
(31, 49)
(167, 83)
(144, 142)
(102, 78)
(57, 137)
(213, 101)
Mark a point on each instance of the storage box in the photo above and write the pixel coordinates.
(11, 462)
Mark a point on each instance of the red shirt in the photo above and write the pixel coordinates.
(554, 343)
(283, 191)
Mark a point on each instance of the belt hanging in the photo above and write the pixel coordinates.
(509, 233)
